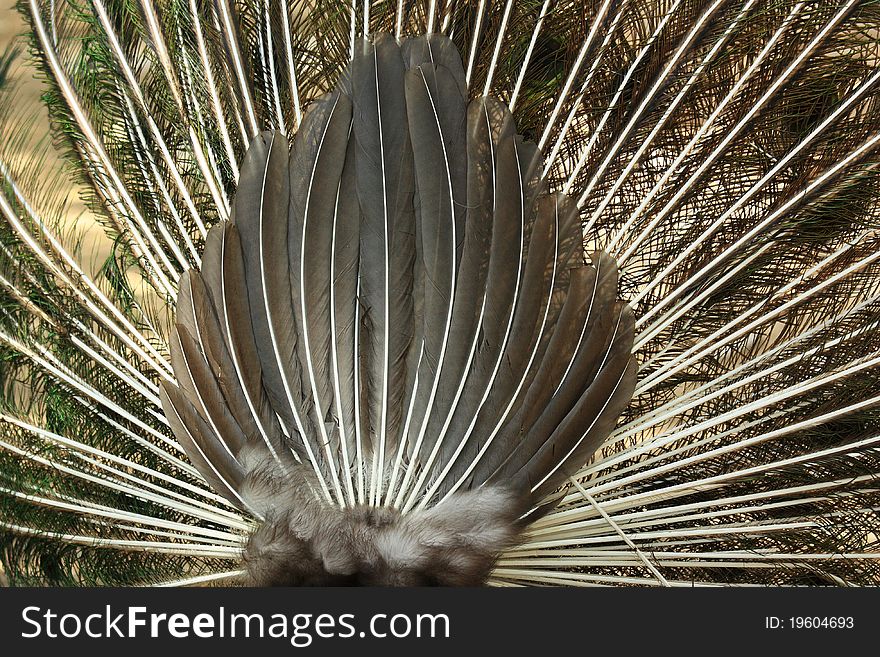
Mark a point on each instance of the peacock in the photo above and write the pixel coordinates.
(443, 292)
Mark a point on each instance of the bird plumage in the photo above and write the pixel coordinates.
(470, 370)
(564, 292)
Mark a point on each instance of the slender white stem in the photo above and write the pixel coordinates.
(48, 361)
(686, 44)
(367, 4)
(432, 10)
(320, 411)
(657, 494)
(291, 66)
(715, 341)
(830, 120)
(134, 87)
(86, 508)
(610, 34)
(353, 31)
(358, 420)
(499, 424)
(648, 563)
(498, 44)
(224, 16)
(447, 18)
(587, 150)
(270, 68)
(525, 65)
(159, 46)
(203, 579)
(141, 151)
(164, 498)
(475, 41)
(164, 547)
(453, 242)
(598, 20)
(211, 84)
(401, 448)
(426, 465)
(344, 430)
(276, 345)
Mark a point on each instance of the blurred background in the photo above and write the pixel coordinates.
(25, 124)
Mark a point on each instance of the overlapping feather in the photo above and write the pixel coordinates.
(721, 152)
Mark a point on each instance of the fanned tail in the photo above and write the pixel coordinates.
(441, 352)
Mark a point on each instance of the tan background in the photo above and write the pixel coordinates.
(9, 26)
(95, 246)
